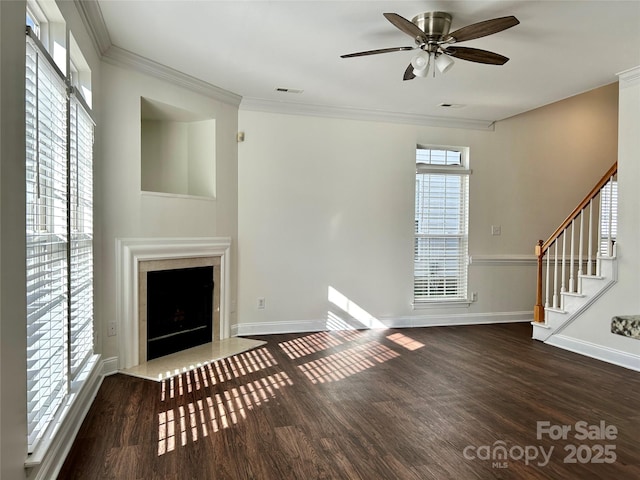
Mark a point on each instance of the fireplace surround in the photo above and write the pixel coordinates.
(136, 256)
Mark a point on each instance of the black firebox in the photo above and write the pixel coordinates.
(179, 309)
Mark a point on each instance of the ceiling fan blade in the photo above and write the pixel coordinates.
(482, 29)
(476, 55)
(405, 25)
(375, 52)
(408, 73)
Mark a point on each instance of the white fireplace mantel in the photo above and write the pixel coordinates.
(131, 251)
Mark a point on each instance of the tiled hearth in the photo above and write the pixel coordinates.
(177, 363)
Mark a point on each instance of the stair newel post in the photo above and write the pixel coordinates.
(590, 247)
(547, 286)
(538, 310)
(572, 282)
(580, 252)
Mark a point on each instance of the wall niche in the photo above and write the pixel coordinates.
(178, 150)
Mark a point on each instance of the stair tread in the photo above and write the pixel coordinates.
(572, 294)
(556, 310)
(541, 325)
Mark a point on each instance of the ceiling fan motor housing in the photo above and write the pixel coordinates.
(435, 25)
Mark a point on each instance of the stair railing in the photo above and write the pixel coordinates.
(599, 211)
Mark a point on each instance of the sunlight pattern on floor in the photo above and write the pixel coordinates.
(217, 372)
(404, 341)
(186, 423)
(303, 346)
(348, 362)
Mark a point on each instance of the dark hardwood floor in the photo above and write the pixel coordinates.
(423, 403)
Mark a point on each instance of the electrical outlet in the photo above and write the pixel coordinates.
(261, 303)
(111, 329)
(496, 230)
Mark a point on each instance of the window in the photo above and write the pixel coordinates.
(59, 238)
(608, 217)
(441, 225)
(32, 22)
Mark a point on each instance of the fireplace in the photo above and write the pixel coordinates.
(143, 263)
(179, 309)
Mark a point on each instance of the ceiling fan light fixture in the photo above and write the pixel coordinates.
(444, 62)
(420, 64)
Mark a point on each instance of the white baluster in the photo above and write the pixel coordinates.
(599, 253)
(590, 248)
(609, 236)
(555, 277)
(546, 295)
(580, 251)
(571, 257)
(563, 265)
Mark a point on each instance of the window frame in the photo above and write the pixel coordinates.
(444, 292)
(73, 284)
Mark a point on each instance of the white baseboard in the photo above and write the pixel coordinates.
(599, 352)
(434, 320)
(109, 366)
(48, 464)
(274, 328)
(445, 320)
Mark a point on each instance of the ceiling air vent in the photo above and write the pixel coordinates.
(288, 90)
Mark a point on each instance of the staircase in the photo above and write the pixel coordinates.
(577, 263)
(574, 303)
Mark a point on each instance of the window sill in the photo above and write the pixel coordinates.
(426, 304)
(70, 416)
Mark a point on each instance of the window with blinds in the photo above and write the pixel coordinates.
(441, 226)
(81, 235)
(608, 217)
(59, 237)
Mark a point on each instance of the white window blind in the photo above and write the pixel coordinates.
(441, 223)
(81, 212)
(608, 217)
(47, 257)
(59, 238)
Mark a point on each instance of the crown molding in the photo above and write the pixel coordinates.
(351, 113)
(630, 77)
(93, 20)
(120, 57)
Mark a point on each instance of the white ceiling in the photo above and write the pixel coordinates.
(560, 48)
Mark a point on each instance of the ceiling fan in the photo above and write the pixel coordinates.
(430, 32)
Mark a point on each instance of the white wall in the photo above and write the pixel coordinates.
(126, 212)
(591, 332)
(329, 203)
(164, 151)
(13, 425)
(202, 158)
